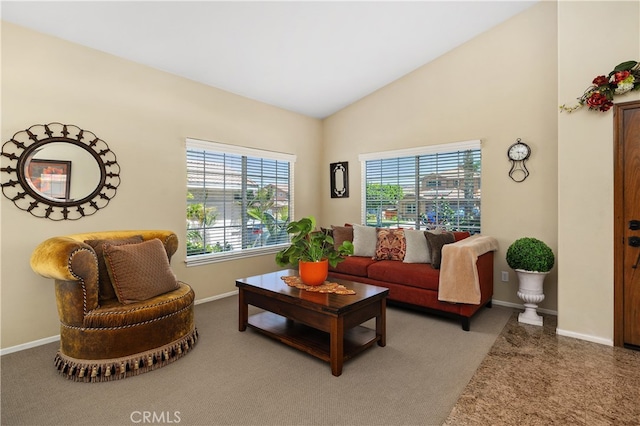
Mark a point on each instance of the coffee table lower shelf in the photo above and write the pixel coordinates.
(310, 340)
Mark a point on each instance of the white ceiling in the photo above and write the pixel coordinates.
(313, 58)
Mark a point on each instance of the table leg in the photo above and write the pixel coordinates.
(337, 345)
(381, 324)
(243, 311)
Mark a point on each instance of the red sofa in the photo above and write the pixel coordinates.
(415, 285)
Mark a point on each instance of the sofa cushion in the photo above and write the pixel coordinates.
(105, 287)
(354, 265)
(435, 242)
(421, 275)
(390, 244)
(364, 240)
(417, 248)
(139, 271)
(341, 234)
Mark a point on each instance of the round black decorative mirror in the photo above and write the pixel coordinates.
(59, 171)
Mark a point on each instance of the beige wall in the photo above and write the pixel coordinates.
(497, 87)
(144, 115)
(585, 162)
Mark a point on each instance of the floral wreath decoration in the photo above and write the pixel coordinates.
(624, 78)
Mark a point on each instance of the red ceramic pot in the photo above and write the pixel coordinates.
(313, 273)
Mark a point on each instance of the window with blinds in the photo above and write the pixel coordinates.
(425, 188)
(239, 201)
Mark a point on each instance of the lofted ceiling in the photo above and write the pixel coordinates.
(313, 58)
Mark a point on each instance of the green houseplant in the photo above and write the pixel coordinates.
(309, 245)
(532, 260)
(530, 254)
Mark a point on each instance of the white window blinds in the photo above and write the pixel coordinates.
(424, 188)
(239, 201)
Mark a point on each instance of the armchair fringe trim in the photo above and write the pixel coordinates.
(103, 370)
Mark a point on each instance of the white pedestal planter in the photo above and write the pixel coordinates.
(530, 290)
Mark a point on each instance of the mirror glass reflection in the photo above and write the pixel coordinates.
(61, 171)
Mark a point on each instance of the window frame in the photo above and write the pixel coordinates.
(474, 144)
(221, 148)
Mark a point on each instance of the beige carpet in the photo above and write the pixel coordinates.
(234, 378)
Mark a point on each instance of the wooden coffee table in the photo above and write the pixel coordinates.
(325, 325)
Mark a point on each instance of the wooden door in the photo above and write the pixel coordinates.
(627, 225)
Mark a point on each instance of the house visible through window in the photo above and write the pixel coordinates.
(423, 188)
(239, 201)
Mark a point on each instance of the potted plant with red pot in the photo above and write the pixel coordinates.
(312, 251)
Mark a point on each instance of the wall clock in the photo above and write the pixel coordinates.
(518, 153)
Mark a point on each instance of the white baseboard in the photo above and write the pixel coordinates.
(560, 332)
(212, 298)
(520, 306)
(587, 337)
(51, 339)
(29, 345)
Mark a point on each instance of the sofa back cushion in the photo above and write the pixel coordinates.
(461, 235)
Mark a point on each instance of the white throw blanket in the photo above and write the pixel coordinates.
(459, 281)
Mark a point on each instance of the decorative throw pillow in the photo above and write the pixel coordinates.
(391, 244)
(105, 288)
(139, 271)
(364, 241)
(341, 234)
(435, 242)
(417, 247)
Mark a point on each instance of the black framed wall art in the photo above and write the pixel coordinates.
(339, 173)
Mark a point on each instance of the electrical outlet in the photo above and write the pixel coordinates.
(505, 276)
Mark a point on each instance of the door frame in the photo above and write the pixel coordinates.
(618, 215)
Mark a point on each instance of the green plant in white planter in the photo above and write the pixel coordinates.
(532, 260)
(530, 254)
